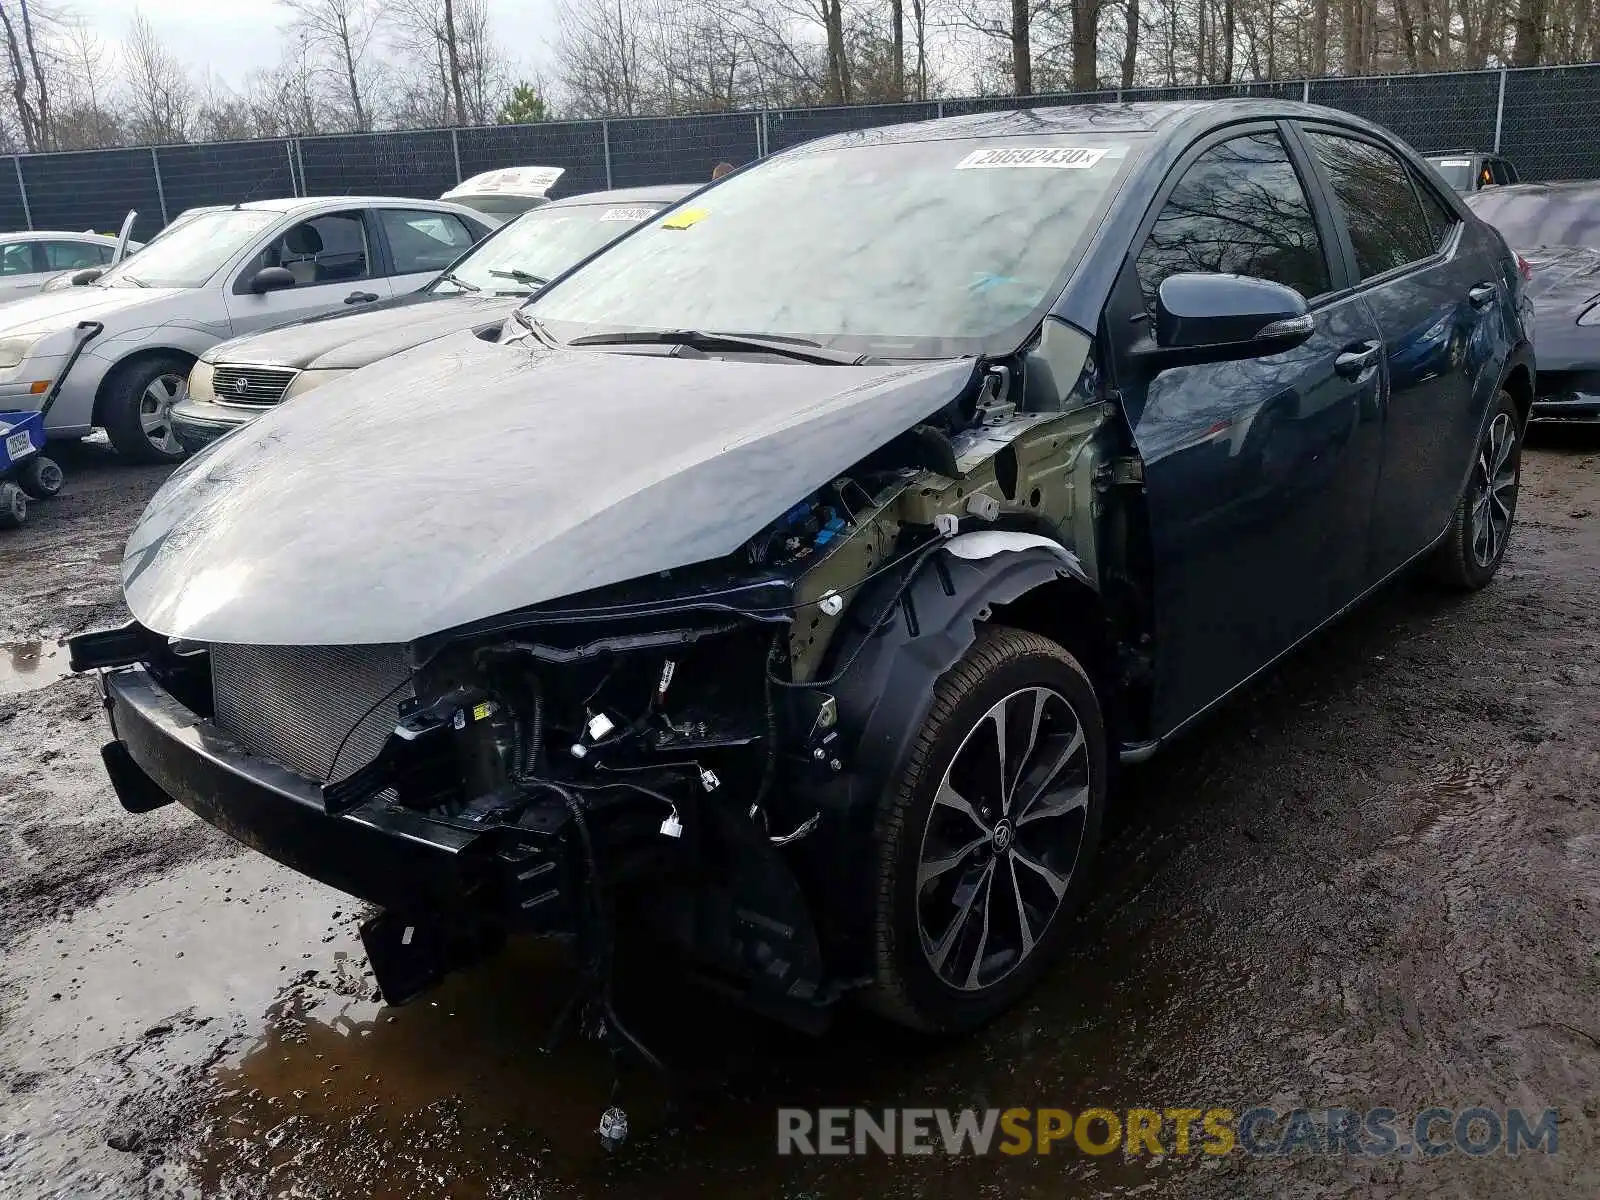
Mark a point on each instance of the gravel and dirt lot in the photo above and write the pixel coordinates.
(1372, 881)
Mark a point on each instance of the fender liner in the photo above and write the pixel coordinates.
(884, 700)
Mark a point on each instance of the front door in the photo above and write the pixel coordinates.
(334, 266)
(1425, 282)
(1259, 474)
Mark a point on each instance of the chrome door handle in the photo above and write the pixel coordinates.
(1483, 295)
(1355, 360)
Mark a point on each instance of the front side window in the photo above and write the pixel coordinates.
(423, 241)
(1239, 209)
(919, 249)
(542, 243)
(192, 253)
(328, 249)
(1387, 225)
(74, 256)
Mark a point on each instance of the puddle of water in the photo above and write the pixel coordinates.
(28, 666)
(224, 1011)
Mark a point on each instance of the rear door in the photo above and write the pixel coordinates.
(1429, 289)
(334, 260)
(1259, 474)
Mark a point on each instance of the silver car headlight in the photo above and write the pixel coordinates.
(202, 382)
(14, 349)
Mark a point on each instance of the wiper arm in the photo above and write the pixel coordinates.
(132, 280)
(536, 327)
(789, 347)
(452, 277)
(526, 277)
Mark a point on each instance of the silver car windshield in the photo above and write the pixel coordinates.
(541, 244)
(191, 254)
(904, 250)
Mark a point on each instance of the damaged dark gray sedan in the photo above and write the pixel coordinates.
(791, 578)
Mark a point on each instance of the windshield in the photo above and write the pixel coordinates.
(1540, 217)
(187, 256)
(909, 250)
(541, 244)
(1456, 169)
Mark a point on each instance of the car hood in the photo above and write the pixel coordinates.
(48, 311)
(347, 340)
(467, 479)
(1566, 281)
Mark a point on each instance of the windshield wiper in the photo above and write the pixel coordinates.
(789, 347)
(536, 327)
(526, 277)
(452, 277)
(132, 280)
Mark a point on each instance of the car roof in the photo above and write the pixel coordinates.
(662, 193)
(34, 235)
(294, 204)
(1158, 116)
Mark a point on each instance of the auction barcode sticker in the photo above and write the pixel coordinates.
(627, 214)
(18, 445)
(1032, 156)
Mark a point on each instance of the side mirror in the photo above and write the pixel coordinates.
(86, 276)
(271, 279)
(1205, 318)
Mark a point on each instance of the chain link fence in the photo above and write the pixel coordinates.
(1545, 119)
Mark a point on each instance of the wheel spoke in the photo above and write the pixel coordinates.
(932, 869)
(987, 888)
(959, 922)
(1039, 698)
(1054, 804)
(1056, 883)
(948, 797)
(1074, 744)
(998, 716)
(1022, 909)
(1505, 442)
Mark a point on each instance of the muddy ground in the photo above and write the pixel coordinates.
(1374, 880)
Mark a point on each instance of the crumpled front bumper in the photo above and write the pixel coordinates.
(197, 424)
(1574, 406)
(382, 853)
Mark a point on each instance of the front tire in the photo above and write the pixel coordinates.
(1480, 528)
(138, 408)
(984, 843)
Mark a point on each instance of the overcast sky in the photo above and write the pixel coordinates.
(229, 37)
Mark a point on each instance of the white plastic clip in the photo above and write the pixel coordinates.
(946, 524)
(672, 827)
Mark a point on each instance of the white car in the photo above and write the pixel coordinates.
(126, 341)
(28, 260)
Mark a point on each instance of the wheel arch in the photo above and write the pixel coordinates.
(1519, 382)
(145, 353)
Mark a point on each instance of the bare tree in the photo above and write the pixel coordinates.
(30, 83)
(159, 96)
(340, 33)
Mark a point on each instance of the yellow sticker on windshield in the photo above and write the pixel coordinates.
(684, 218)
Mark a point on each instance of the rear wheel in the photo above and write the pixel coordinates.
(138, 408)
(1472, 550)
(13, 506)
(985, 841)
(41, 478)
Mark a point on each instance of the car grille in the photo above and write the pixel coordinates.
(251, 385)
(295, 704)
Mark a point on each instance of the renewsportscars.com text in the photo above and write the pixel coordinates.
(1373, 1133)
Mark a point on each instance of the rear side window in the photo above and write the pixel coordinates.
(1387, 224)
(1441, 219)
(16, 258)
(1239, 209)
